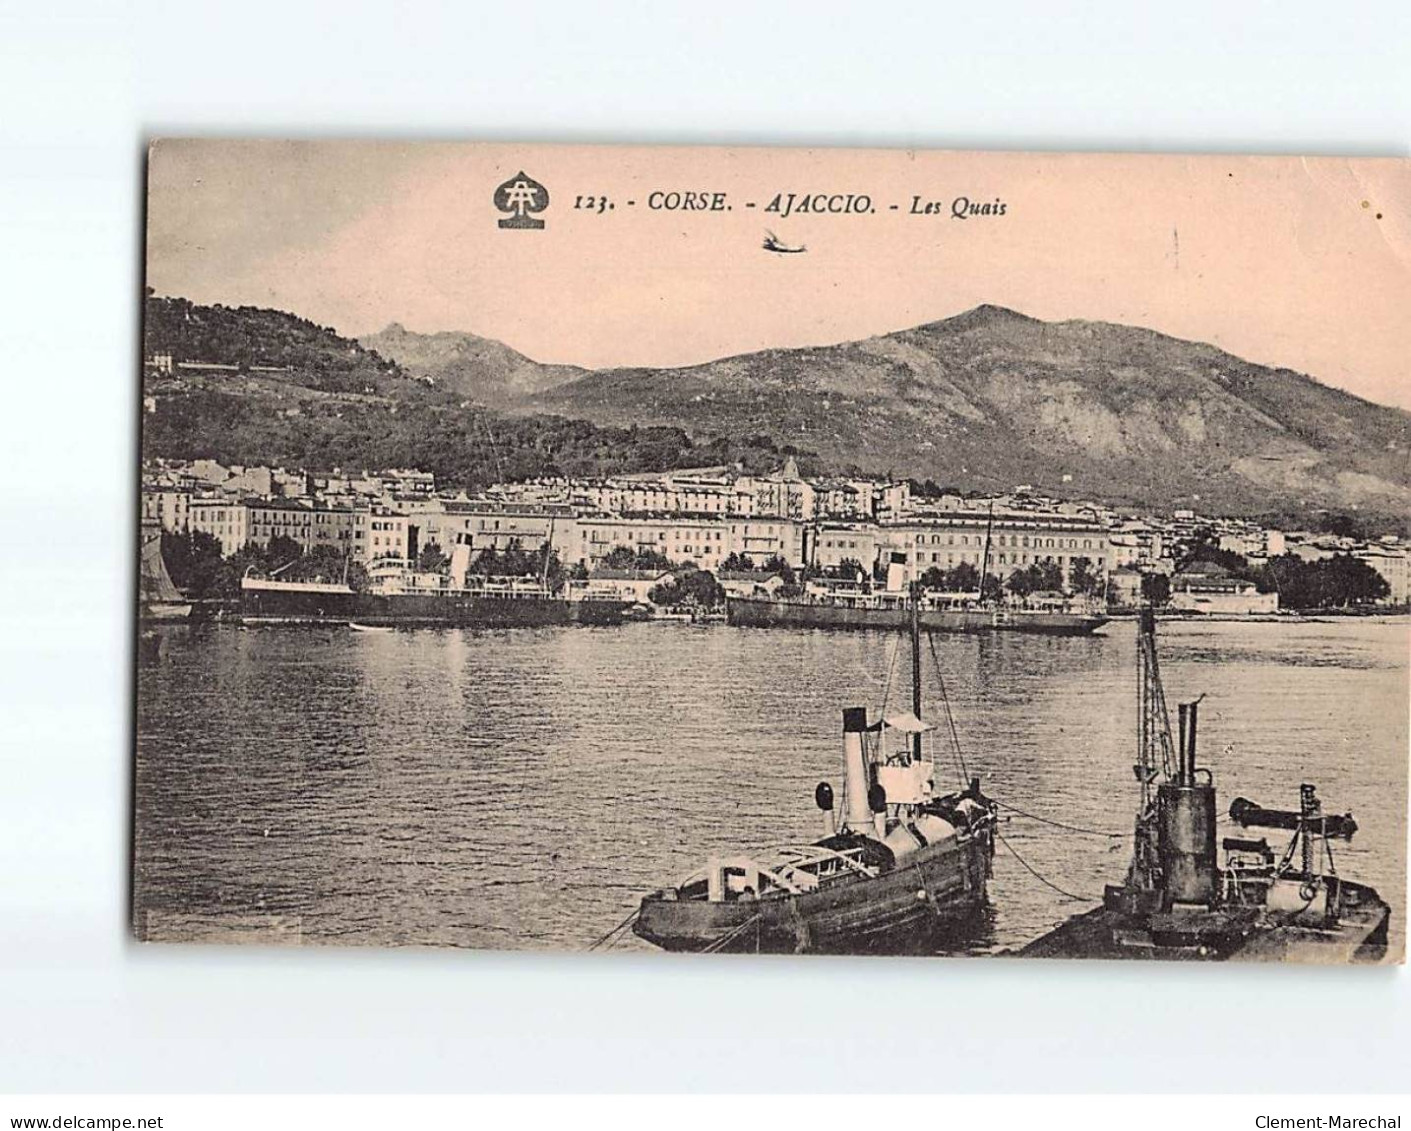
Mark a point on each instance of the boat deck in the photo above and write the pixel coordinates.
(1359, 937)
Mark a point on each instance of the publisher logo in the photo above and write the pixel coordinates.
(521, 197)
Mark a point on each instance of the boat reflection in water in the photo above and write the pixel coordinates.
(904, 868)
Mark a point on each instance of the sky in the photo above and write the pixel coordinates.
(1296, 262)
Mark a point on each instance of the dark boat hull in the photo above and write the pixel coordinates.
(935, 893)
(753, 612)
(281, 606)
(163, 612)
(1360, 935)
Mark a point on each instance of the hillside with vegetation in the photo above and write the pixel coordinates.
(335, 404)
(252, 338)
(984, 400)
(992, 398)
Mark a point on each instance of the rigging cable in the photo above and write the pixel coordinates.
(891, 669)
(1058, 824)
(1034, 872)
(945, 701)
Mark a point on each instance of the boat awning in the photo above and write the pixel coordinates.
(907, 723)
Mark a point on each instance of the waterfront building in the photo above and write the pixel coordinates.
(1389, 560)
(223, 518)
(492, 524)
(704, 542)
(167, 507)
(1018, 540)
(759, 539)
(310, 524)
(1205, 587)
(1136, 544)
(740, 583)
(1124, 586)
(850, 500)
(387, 535)
(694, 492)
(625, 584)
(840, 542)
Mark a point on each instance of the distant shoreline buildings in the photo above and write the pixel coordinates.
(706, 516)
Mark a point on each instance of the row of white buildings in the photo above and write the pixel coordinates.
(701, 516)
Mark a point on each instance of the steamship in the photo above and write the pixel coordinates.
(890, 609)
(400, 597)
(904, 867)
(1177, 901)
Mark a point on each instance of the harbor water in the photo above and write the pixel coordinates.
(524, 788)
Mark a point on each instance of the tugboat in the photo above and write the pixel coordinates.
(1178, 903)
(904, 868)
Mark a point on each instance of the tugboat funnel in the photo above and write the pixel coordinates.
(1186, 838)
(858, 813)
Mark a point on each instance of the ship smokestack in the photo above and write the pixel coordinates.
(1184, 713)
(1190, 749)
(857, 781)
(460, 561)
(1186, 836)
(898, 570)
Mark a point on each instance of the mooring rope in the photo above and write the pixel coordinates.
(729, 936)
(616, 930)
(1038, 876)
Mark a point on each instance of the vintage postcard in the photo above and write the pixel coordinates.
(774, 551)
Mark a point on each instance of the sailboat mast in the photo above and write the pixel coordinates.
(548, 549)
(985, 559)
(916, 666)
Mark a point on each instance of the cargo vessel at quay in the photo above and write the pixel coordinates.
(889, 611)
(1177, 900)
(437, 601)
(904, 868)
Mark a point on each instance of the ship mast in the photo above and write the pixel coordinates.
(1154, 749)
(548, 549)
(916, 667)
(1154, 746)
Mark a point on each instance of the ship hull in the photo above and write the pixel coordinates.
(158, 612)
(411, 610)
(935, 894)
(751, 612)
(289, 606)
(1360, 935)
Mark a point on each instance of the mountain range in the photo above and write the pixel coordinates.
(990, 399)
